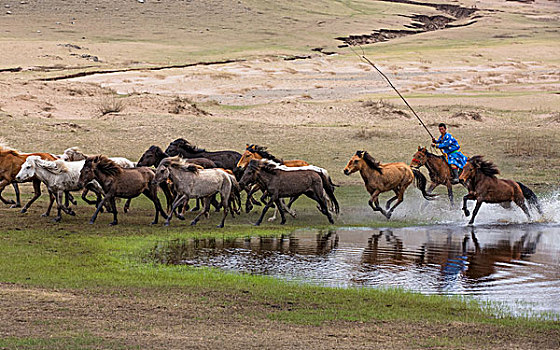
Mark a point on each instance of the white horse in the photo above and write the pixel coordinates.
(193, 181)
(59, 177)
(73, 154)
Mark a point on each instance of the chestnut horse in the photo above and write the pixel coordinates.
(485, 187)
(438, 170)
(254, 151)
(10, 165)
(380, 178)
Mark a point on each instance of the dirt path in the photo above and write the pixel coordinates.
(181, 319)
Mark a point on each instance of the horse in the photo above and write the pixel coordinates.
(10, 164)
(193, 181)
(283, 184)
(223, 159)
(153, 157)
(253, 151)
(438, 170)
(119, 182)
(484, 187)
(380, 178)
(59, 177)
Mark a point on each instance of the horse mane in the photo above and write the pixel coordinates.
(107, 166)
(182, 164)
(263, 152)
(156, 149)
(485, 166)
(370, 161)
(56, 167)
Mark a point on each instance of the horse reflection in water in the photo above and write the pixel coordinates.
(458, 261)
(179, 252)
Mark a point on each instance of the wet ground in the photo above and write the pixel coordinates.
(516, 266)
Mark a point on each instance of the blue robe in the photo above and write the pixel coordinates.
(449, 145)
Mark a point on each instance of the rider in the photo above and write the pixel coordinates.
(449, 145)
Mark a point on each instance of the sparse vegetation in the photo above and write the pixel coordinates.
(110, 104)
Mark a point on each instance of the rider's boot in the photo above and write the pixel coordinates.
(454, 176)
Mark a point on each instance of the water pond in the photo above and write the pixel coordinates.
(517, 266)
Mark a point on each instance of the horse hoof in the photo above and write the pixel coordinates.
(15, 205)
(11, 201)
(256, 224)
(113, 223)
(57, 219)
(220, 226)
(180, 217)
(283, 222)
(167, 223)
(467, 213)
(23, 211)
(72, 213)
(91, 222)
(193, 223)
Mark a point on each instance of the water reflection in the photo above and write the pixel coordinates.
(501, 263)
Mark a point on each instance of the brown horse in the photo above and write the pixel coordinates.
(254, 151)
(120, 182)
(380, 178)
(438, 170)
(485, 187)
(10, 165)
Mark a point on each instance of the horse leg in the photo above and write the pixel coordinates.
(36, 194)
(400, 197)
(69, 198)
(321, 199)
(206, 202)
(521, 203)
(3, 185)
(450, 194)
(288, 208)
(215, 203)
(151, 193)
(114, 210)
(475, 211)
(197, 206)
(127, 205)
(374, 199)
(225, 205)
(98, 209)
(51, 202)
(265, 209)
(178, 200)
(392, 199)
(169, 200)
(468, 196)
(280, 208)
(59, 198)
(18, 198)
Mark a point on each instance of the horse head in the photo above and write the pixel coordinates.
(27, 169)
(354, 163)
(87, 173)
(419, 158)
(152, 156)
(162, 172)
(246, 157)
(250, 174)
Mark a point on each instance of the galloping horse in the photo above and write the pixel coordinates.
(438, 170)
(485, 187)
(380, 178)
(119, 182)
(279, 183)
(10, 165)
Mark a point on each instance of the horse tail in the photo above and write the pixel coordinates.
(421, 184)
(531, 197)
(328, 186)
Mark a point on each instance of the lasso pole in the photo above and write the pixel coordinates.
(364, 58)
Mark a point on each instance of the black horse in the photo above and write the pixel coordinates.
(223, 159)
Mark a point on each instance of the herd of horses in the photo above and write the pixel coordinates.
(184, 171)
